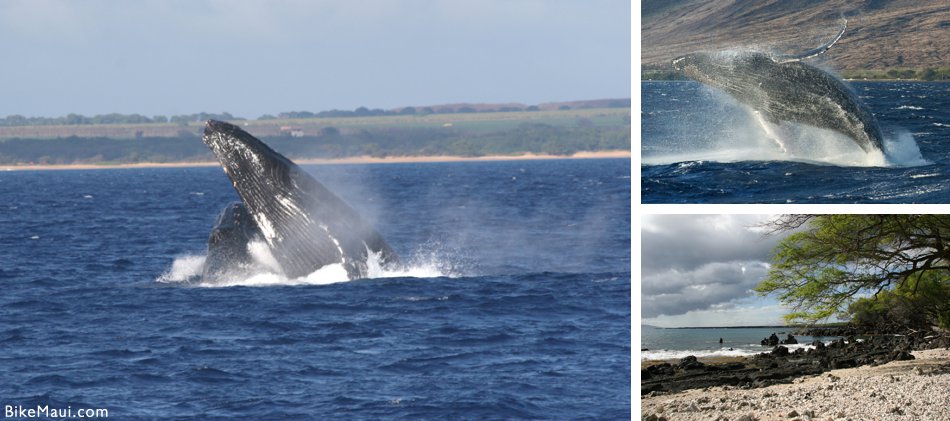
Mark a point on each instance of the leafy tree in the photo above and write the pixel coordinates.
(917, 304)
(831, 261)
(329, 131)
(927, 74)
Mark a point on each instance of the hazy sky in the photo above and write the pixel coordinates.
(699, 270)
(255, 57)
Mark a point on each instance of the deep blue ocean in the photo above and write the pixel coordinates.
(522, 308)
(698, 145)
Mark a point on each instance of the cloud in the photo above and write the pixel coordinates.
(746, 314)
(715, 283)
(700, 262)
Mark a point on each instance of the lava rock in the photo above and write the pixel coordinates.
(690, 363)
(901, 355)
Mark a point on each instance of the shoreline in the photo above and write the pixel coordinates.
(711, 360)
(915, 389)
(329, 161)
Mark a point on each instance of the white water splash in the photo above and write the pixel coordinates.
(184, 269)
(902, 150)
(261, 255)
(265, 271)
(744, 351)
(730, 132)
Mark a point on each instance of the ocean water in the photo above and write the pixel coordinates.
(516, 302)
(699, 145)
(669, 344)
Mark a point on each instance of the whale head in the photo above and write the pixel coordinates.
(304, 224)
(245, 159)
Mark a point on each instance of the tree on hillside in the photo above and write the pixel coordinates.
(871, 262)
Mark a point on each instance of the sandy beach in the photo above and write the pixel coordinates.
(349, 160)
(917, 389)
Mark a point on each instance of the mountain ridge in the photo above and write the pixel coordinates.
(881, 35)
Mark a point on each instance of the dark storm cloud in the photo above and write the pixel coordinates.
(695, 262)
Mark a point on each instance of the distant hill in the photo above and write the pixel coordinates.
(516, 106)
(509, 133)
(881, 34)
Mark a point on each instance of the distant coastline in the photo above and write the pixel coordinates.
(312, 161)
(903, 75)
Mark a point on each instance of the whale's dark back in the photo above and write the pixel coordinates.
(228, 243)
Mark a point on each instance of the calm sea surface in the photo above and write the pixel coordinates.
(700, 146)
(518, 305)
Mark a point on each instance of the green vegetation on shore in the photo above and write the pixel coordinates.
(73, 119)
(927, 74)
(555, 132)
(886, 273)
(661, 75)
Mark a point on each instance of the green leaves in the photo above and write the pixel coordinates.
(831, 261)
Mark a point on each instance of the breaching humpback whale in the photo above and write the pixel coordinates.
(304, 225)
(781, 88)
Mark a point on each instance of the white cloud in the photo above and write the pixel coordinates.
(733, 314)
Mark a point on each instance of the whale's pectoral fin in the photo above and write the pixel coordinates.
(786, 58)
(773, 130)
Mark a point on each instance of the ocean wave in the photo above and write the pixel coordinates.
(746, 351)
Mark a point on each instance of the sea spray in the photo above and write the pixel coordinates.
(718, 128)
(431, 261)
(183, 269)
(902, 150)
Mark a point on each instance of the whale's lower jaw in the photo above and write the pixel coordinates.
(305, 225)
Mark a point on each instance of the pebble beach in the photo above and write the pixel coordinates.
(916, 389)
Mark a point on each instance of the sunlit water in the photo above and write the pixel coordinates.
(515, 302)
(701, 146)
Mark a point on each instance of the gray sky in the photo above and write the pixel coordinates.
(255, 57)
(699, 270)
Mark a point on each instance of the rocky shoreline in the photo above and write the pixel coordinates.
(782, 366)
(917, 389)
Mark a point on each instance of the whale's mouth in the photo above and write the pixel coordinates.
(223, 137)
(242, 156)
